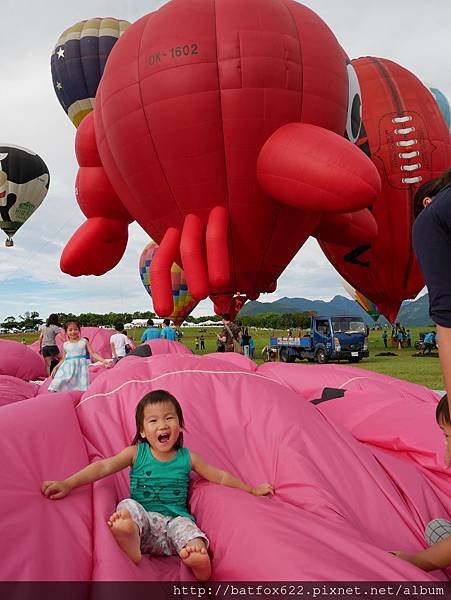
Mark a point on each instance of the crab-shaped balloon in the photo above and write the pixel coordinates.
(219, 126)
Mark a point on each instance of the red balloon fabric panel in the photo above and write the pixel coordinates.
(406, 137)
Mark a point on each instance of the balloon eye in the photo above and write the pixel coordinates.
(354, 116)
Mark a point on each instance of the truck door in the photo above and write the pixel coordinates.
(322, 327)
(322, 340)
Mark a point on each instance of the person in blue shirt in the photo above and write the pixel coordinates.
(409, 338)
(151, 333)
(167, 333)
(251, 347)
(428, 342)
(400, 338)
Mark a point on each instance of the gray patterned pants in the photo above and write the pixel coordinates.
(437, 530)
(161, 535)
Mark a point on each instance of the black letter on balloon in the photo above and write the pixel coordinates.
(353, 256)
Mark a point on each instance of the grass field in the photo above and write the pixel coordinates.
(422, 370)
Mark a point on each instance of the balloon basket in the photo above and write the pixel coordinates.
(9, 243)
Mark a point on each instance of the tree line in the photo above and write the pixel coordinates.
(30, 321)
(295, 320)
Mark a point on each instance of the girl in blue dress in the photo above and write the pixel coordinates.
(72, 373)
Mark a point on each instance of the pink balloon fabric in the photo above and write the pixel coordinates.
(258, 424)
(167, 347)
(13, 389)
(18, 360)
(40, 439)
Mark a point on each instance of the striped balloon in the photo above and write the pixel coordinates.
(182, 300)
(369, 307)
(78, 61)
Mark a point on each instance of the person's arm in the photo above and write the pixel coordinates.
(95, 355)
(215, 475)
(437, 556)
(56, 367)
(222, 337)
(447, 451)
(113, 350)
(444, 351)
(143, 337)
(41, 337)
(54, 490)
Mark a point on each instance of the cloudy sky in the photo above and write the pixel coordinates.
(411, 32)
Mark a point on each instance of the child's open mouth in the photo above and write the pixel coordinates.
(163, 438)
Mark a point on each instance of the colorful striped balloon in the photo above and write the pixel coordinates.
(369, 307)
(183, 302)
(78, 61)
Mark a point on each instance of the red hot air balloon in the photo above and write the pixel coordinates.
(405, 135)
(219, 127)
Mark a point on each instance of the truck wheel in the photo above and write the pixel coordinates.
(285, 355)
(321, 356)
(354, 359)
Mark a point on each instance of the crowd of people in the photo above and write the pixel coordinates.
(400, 337)
(69, 367)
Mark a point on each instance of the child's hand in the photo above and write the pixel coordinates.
(447, 454)
(263, 490)
(54, 490)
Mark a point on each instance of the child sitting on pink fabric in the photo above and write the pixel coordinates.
(156, 519)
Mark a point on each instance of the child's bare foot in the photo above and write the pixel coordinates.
(195, 556)
(126, 534)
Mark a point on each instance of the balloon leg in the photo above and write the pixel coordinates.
(160, 272)
(191, 250)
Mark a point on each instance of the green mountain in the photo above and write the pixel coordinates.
(413, 313)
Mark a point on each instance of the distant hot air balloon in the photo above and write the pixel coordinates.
(183, 302)
(443, 104)
(369, 307)
(78, 61)
(24, 183)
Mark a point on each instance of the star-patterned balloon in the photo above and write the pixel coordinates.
(78, 61)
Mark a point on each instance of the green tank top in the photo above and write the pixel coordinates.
(161, 486)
